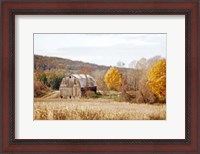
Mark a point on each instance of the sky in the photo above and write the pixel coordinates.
(101, 49)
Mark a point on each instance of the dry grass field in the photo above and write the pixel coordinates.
(95, 109)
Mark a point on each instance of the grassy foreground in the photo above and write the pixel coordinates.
(95, 109)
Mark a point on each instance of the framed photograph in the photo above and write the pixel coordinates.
(80, 83)
(100, 76)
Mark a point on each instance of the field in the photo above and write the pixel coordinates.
(52, 108)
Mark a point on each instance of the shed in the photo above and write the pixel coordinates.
(76, 85)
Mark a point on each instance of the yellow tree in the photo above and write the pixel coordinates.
(157, 79)
(113, 79)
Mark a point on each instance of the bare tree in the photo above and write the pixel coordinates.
(152, 61)
(120, 64)
(137, 78)
(141, 64)
(99, 77)
(132, 64)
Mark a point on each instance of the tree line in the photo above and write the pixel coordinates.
(144, 80)
(147, 79)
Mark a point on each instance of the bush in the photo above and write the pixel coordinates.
(91, 94)
(115, 97)
(40, 89)
(145, 95)
(40, 76)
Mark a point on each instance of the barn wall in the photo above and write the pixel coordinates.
(70, 88)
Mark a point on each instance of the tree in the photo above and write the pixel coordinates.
(157, 79)
(141, 64)
(145, 94)
(54, 79)
(113, 79)
(132, 64)
(123, 88)
(152, 61)
(138, 69)
(99, 77)
(120, 64)
(86, 70)
(133, 78)
(40, 76)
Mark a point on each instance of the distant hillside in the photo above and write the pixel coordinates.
(55, 63)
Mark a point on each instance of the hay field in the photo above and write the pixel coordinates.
(95, 109)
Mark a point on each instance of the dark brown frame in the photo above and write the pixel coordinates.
(10, 8)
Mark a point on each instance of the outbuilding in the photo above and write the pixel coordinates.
(76, 85)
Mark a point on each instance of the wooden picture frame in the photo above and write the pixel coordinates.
(11, 8)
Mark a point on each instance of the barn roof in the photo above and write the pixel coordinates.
(82, 80)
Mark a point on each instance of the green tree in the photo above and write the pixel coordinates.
(54, 79)
(40, 76)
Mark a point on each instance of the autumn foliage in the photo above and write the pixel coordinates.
(40, 89)
(157, 79)
(46, 81)
(113, 79)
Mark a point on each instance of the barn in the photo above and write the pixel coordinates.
(76, 85)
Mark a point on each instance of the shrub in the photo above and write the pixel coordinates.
(125, 97)
(40, 89)
(115, 97)
(91, 94)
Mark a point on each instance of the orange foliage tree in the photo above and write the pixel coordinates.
(157, 79)
(113, 79)
(86, 70)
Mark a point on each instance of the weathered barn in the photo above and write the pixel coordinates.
(76, 85)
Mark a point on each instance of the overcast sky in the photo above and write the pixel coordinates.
(102, 49)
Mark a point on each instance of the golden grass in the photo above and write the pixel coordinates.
(96, 109)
